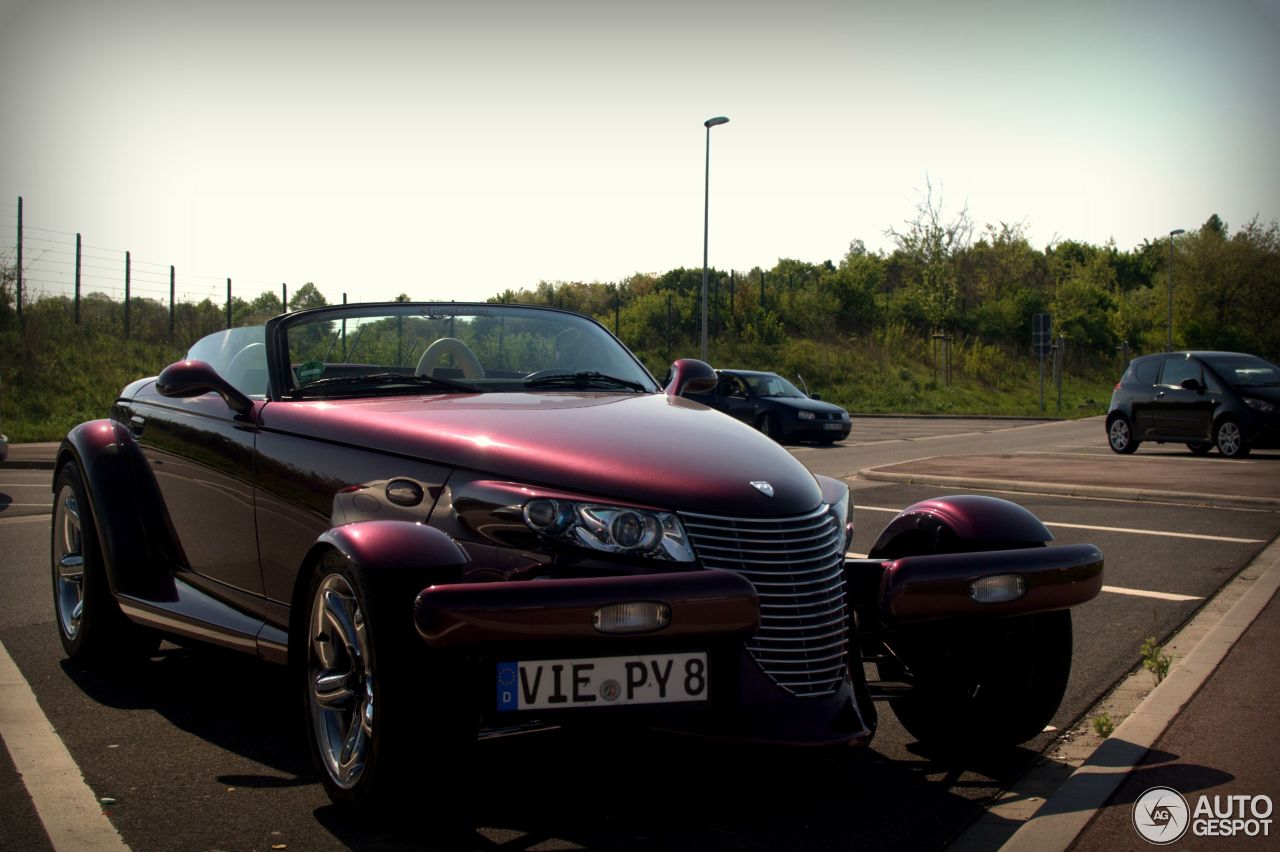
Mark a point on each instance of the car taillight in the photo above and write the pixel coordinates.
(1117, 387)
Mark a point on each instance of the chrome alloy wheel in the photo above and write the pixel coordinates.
(1229, 439)
(340, 680)
(68, 561)
(1119, 434)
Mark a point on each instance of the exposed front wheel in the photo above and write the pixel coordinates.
(1120, 435)
(1230, 440)
(93, 630)
(769, 427)
(375, 698)
(984, 685)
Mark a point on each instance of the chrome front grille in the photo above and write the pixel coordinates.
(797, 567)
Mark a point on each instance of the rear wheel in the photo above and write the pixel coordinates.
(986, 684)
(93, 630)
(1230, 439)
(1120, 435)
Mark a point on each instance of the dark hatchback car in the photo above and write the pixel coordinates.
(776, 407)
(1203, 399)
(453, 521)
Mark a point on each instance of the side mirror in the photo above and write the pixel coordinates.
(689, 375)
(1192, 384)
(816, 396)
(196, 378)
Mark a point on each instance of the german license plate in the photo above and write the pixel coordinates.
(834, 427)
(602, 681)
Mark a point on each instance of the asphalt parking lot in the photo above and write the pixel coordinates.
(201, 750)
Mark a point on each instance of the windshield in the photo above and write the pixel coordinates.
(769, 384)
(358, 350)
(1244, 371)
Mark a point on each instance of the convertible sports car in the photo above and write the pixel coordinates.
(451, 520)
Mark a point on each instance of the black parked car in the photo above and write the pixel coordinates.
(1203, 399)
(776, 407)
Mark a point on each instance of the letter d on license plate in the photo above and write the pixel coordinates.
(602, 681)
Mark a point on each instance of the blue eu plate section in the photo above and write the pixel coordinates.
(507, 675)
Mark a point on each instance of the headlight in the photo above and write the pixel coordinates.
(805, 415)
(844, 415)
(842, 511)
(1260, 405)
(612, 529)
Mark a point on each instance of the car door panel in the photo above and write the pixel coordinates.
(201, 456)
(1182, 412)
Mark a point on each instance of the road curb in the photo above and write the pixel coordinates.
(27, 464)
(1070, 809)
(1218, 501)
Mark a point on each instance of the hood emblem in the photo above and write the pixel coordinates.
(763, 487)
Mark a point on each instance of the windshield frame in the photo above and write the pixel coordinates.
(282, 384)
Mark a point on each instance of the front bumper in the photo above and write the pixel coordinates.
(815, 430)
(917, 589)
(706, 604)
(713, 611)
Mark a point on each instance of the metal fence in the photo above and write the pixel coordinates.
(43, 263)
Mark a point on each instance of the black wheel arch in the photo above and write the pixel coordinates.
(126, 505)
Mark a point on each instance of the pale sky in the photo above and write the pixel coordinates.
(453, 150)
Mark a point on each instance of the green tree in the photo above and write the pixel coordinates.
(930, 244)
(307, 296)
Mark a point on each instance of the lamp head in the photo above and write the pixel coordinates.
(714, 122)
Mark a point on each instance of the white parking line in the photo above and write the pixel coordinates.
(1144, 593)
(1162, 533)
(1129, 530)
(69, 810)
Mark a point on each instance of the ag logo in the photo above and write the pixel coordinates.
(1161, 815)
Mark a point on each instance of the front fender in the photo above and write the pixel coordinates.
(390, 548)
(959, 523)
(101, 450)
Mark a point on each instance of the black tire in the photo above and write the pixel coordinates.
(985, 685)
(389, 701)
(1200, 448)
(93, 630)
(1230, 439)
(1120, 435)
(770, 427)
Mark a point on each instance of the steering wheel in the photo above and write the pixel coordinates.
(462, 355)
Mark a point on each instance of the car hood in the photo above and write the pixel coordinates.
(653, 449)
(798, 403)
(1270, 394)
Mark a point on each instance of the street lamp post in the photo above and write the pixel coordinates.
(706, 219)
(1168, 342)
